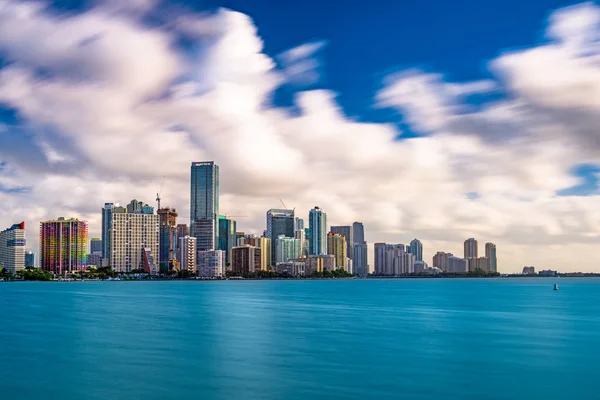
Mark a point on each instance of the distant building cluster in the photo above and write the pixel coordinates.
(136, 238)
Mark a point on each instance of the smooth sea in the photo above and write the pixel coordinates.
(280, 340)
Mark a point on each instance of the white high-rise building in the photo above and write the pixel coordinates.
(12, 248)
(187, 254)
(134, 241)
(211, 263)
(287, 249)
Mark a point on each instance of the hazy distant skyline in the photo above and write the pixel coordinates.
(467, 120)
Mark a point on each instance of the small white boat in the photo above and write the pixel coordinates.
(555, 286)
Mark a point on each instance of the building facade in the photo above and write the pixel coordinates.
(393, 260)
(358, 232)
(245, 259)
(292, 267)
(317, 228)
(187, 254)
(279, 222)
(347, 232)
(470, 249)
(211, 263)
(360, 259)
(107, 212)
(319, 263)
(227, 237)
(167, 218)
(63, 245)
(416, 249)
(204, 231)
(490, 254)
(263, 243)
(135, 239)
(12, 248)
(336, 246)
(204, 200)
(96, 246)
(287, 249)
(29, 259)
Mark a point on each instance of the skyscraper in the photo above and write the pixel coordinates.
(317, 228)
(187, 253)
(470, 248)
(227, 229)
(96, 246)
(135, 239)
(107, 212)
(168, 238)
(299, 224)
(279, 222)
(204, 231)
(29, 259)
(63, 245)
(287, 249)
(360, 259)
(416, 249)
(204, 197)
(348, 234)
(490, 254)
(336, 246)
(12, 248)
(358, 232)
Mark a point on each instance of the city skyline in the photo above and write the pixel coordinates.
(409, 139)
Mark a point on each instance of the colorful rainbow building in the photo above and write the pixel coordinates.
(63, 245)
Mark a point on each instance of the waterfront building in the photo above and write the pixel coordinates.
(227, 236)
(279, 222)
(211, 263)
(94, 260)
(204, 204)
(292, 267)
(528, 270)
(135, 238)
(187, 254)
(96, 246)
(107, 212)
(319, 263)
(548, 273)
(393, 260)
(29, 259)
(470, 249)
(347, 233)
(480, 263)
(456, 264)
(336, 246)
(63, 245)
(317, 228)
(12, 248)
(168, 238)
(490, 254)
(358, 233)
(263, 243)
(416, 249)
(360, 259)
(287, 249)
(245, 259)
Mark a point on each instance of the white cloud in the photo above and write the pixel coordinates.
(119, 105)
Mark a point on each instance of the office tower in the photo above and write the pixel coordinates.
(135, 239)
(317, 228)
(319, 263)
(107, 212)
(490, 254)
(227, 236)
(358, 232)
(96, 246)
(416, 249)
(360, 259)
(204, 201)
(336, 246)
(187, 253)
(279, 222)
(287, 249)
(264, 244)
(203, 231)
(183, 230)
(63, 245)
(29, 259)
(245, 259)
(348, 234)
(12, 248)
(167, 218)
(440, 261)
(299, 224)
(211, 263)
(139, 207)
(470, 248)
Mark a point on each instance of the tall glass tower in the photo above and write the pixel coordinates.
(204, 198)
(317, 229)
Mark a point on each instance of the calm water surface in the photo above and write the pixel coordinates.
(361, 339)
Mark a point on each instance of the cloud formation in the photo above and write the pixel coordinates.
(106, 105)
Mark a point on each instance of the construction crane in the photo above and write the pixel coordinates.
(227, 216)
(160, 191)
(283, 204)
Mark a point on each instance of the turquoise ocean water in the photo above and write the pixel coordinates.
(356, 339)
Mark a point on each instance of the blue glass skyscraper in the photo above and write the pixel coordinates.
(204, 199)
